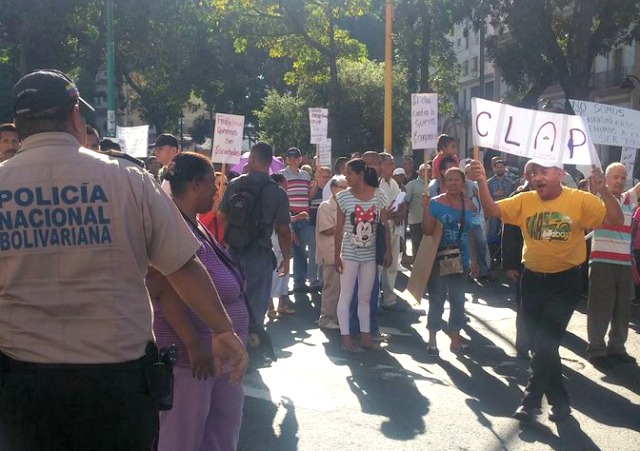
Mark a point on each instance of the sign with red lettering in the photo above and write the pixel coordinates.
(424, 121)
(318, 124)
(532, 133)
(227, 138)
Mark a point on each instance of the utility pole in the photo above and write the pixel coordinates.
(111, 90)
(388, 80)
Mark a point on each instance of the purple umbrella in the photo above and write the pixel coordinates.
(276, 164)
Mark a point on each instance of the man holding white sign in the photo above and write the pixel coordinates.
(552, 219)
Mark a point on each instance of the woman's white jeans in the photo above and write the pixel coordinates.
(365, 274)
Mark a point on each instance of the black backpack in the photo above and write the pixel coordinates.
(244, 225)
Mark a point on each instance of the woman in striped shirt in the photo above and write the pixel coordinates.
(207, 411)
(360, 209)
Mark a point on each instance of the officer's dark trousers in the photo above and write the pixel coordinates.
(72, 407)
(548, 301)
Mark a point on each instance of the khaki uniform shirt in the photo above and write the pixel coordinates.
(325, 244)
(77, 233)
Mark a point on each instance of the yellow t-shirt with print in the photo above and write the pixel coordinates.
(553, 230)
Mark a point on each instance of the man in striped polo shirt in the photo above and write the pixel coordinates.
(299, 184)
(611, 278)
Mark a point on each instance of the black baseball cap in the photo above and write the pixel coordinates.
(109, 144)
(42, 92)
(294, 152)
(166, 139)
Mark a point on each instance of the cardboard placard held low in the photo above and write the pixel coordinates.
(423, 264)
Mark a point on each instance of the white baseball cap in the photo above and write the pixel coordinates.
(542, 163)
(399, 171)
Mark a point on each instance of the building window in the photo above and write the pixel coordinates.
(465, 68)
(474, 66)
(459, 42)
(466, 42)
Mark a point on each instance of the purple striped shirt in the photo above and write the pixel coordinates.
(227, 283)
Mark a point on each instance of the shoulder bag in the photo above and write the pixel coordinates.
(450, 258)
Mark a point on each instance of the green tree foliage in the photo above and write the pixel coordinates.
(307, 33)
(547, 41)
(422, 34)
(284, 117)
(35, 34)
(284, 122)
(155, 53)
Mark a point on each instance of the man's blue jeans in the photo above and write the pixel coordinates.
(258, 265)
(300, 255)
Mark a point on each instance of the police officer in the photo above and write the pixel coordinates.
(78, 231)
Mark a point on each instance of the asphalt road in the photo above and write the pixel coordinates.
(317, 397)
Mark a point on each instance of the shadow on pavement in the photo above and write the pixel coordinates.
(570, 436)
(383, 387)
(600, 403)
(258, 430)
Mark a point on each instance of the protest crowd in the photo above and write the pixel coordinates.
(132, 290)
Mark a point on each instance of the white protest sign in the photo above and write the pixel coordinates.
(319, 124)
(424, 121)
(628, 159)
(532, 133)
(324, 152)
(135, 140)
(610, 125)
(227, 138)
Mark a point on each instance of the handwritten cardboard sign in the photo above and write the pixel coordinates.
(424, 121)
(319, 124)
(134, 140)
(610, 125)
(227, 138)
(532, 134)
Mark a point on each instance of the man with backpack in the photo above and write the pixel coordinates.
(252, 206)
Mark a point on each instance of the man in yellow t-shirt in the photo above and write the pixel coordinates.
(552, 219)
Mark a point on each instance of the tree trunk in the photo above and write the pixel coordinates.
(336, 124)
(425, 50)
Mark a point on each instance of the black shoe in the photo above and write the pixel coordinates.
(524, 355)
(299, 289)
(622, 358)
(601, 362)
(395, 307)
(524, 414)
(559, 413)
(433, 351)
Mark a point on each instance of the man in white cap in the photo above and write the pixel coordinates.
(552, 219)
(399, 177)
